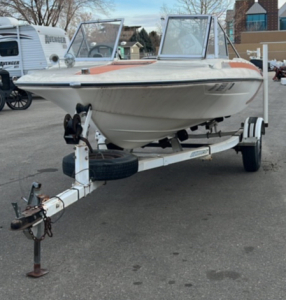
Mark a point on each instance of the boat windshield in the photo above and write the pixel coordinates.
(185, 36)
(96, 40)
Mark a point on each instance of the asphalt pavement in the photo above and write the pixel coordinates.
(192, 230)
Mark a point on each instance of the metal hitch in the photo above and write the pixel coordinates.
(34, 223)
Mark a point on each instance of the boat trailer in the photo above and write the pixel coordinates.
(35, 221)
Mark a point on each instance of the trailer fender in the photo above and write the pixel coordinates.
(252, 143)
(253, 127)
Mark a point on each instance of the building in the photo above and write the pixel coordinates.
(130, 50)
(240, 9)
(282, 17)
(229, 20)
(255, 23)
(254, 16)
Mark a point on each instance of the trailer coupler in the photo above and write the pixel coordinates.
(35, 225)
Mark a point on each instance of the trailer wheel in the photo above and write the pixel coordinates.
(251, 155)
(2, 102)
(19, 99)
(104, 165)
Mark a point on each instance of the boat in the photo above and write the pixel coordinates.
(191, 82)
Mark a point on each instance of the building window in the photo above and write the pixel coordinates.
(282, 23)
(230, 31)
(256, 22)
(9, 49)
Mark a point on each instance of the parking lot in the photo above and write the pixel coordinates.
(193, 230)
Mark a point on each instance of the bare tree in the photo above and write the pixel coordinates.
(199, 7)
(75, 21)
(50, 12)
(239, 20)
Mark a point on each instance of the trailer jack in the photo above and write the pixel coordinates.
(35, 225)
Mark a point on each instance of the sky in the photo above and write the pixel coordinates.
(146, 13)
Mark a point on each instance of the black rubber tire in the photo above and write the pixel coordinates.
(19, 100)
(105, 165)
(2, 102)
(251, 156)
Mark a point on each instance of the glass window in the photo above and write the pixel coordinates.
(230, 31)
(222, 46)
(9, 48)
(211, 41)
(256, 22)
(95, 40)
(221, 40)
(282, 23)
(185, 36)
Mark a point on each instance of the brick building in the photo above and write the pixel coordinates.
(253, 23)
(251, 15)
(240, 9)
(271, 7)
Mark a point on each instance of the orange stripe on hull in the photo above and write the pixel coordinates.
(243, 66)
(116, 66)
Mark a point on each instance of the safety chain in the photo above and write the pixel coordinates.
(48, 228)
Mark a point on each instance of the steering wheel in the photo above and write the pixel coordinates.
(94, 51)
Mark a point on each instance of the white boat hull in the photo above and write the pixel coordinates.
(133, 116)
(136, 102)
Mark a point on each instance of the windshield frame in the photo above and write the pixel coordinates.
(114, 51)
(204, 46)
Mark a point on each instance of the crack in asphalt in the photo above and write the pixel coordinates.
(29, 176)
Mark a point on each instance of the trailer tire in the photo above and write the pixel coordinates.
(104, 165)
(2, 102)
(251, 156)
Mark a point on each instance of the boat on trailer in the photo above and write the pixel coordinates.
(135, 102)
(141, 103)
